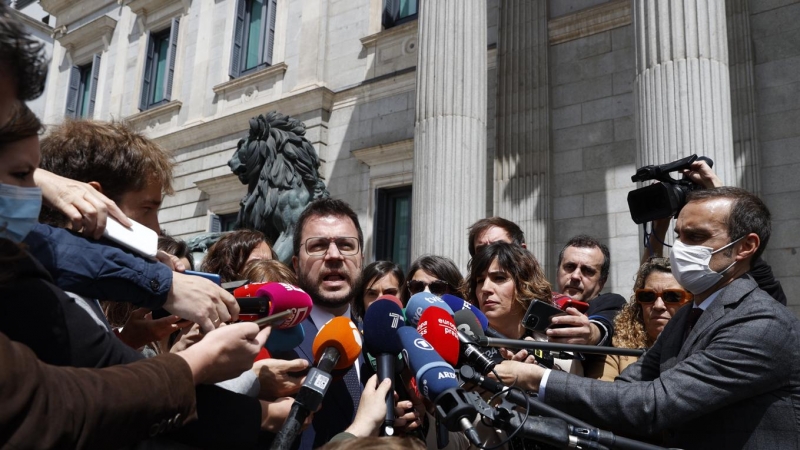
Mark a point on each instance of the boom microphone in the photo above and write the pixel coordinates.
(337, 346)
(437, 327)
(418, 303)
(469, 332)
(437, 381)
(381, 321)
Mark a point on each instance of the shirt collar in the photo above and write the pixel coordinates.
(704, 305)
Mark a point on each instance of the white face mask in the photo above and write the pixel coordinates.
(690, 266)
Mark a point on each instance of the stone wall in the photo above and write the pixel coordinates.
(775, 26)
(593, 147)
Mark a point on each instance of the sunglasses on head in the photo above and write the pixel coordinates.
(437, 287)
(668, 296)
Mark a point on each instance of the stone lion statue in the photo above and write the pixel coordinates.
(281, 170)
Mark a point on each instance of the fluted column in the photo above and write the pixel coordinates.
(521, 181)
(743, 97)
(450, 132)
(682, 86)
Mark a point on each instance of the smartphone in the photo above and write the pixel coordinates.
(269, 320)
(138, 237)
(538, 316)
(209, 276)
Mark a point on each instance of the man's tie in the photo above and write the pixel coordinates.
(691, 321)
(353, 387)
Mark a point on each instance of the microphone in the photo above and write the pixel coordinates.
(284, 339)
(458, 303)
(418, 303)
(437, 381)
(391, 298)
(437, 327)
(381, 321)
(337, 346)
(283, 297)
(469, 331)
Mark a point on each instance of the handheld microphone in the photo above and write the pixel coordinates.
(437, 327)
(381, 321)
(437, 381)
(458, 303)
(469, 332)
(284, 339)
(337, 346)
(418, 303)
(391, 298)
(285, 297)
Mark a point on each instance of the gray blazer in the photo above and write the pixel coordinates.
(734, 384)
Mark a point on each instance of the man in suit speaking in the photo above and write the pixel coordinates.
(725, 372)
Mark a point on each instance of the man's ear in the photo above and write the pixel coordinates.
(748, 246)
(97, 187)
(295, 261)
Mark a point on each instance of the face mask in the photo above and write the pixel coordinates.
(19, 211)
(690, 266)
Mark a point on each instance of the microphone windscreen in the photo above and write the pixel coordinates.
(248, 290)
(437, 327)
(391, 298)
(284, 296)
(467, 323)
(343, 335)
(381, 321)
(418, 303)
(433, 375)
(458, 303)
(284, 339)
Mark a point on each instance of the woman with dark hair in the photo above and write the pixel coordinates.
(657, 296)
(177, 248)
(503, 281)
(228, 256)
(377, 279)
(435, 274)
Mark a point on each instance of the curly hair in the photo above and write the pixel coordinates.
(438, 266)
(229, 255)
(529, 281)
(262, 270)
(629, 331)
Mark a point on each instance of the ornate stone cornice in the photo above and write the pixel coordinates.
(94, 34)
(408, 28)
(587, 22)
(147, 115)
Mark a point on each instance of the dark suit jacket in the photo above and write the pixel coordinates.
(60, 407)
(338, 407)
(734, 383)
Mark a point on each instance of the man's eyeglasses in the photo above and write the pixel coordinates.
(318, 246)
(669, 296)
(437, 287)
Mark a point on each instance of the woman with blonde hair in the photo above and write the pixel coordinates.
(657, 296)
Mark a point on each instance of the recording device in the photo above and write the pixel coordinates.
(564, 302)
(538, 316)
(392, 299)
(269, 320)
(437, 327)
(381, 321)
(337, 346)
(457, 303)
(664, 199)
(138, 237)
(272, 298)
(418, 303)
(284, 339)
(208, 276)
(469, 331)
(437, 381)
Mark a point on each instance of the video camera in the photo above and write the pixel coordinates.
(664, 199)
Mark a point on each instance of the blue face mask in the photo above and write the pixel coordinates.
(19, 211)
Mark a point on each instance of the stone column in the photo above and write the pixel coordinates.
(450, 132)
(682, 87)
(521, 179)
(743, 97)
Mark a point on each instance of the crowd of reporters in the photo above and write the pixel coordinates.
(101, 347)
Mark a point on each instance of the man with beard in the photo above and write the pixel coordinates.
(327, 259)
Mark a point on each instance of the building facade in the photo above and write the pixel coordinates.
(538, 111)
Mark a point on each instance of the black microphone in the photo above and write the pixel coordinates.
(336, 347)
(381, 322)
(470, 332)
(538, 345)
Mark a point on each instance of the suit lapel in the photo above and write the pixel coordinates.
(310, 329)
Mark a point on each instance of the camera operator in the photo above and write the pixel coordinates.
(725, 372)
(701, 174)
